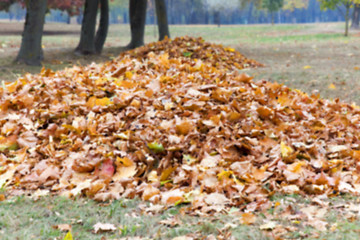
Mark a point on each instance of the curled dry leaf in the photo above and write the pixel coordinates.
(268, 226)
(104, 227)
(63, 227)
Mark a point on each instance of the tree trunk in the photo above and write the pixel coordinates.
(87, 38)
(31, 50)
(103, 26)
(217, 17)
(356, 17)
(272, 18)
(137, 10)
(162, 20)
(347, 19)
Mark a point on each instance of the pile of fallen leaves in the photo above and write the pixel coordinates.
(173, 130)
(196, 48)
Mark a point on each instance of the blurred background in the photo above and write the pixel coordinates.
(217, 12)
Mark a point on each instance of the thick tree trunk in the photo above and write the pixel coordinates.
(162, 20)
(137, 10)
(31, 50)
(87, 38)
(103, 26)
(356, 17)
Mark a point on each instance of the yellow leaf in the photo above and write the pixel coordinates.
(125, 162)
(68, 236)
(332, 86)
(128, 75)
(125, 84)
(285, 150)
(356, 68)
(103, 101)
(228, 49)
(307, 67)
(101, 81)
(224, 174)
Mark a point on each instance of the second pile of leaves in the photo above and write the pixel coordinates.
(174, 122)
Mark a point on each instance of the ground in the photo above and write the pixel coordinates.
(308, 57)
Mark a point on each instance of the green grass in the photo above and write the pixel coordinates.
(23, 218)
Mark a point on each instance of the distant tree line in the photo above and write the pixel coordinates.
(200, 12)
(137, 13)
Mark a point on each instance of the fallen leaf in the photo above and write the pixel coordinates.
(68, 236)
(63, 227)
(285, 150)
(332, 86)
(216, 199)
(268, 226)
(103, 227)
(247, 218)
(156, 147)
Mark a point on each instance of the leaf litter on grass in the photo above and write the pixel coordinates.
(172, 127)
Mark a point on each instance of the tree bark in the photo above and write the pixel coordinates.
(347, 19)
(102, 31)
(137, 10)
(162, 20)
(87, 39)
(217, 17)
(356, 17)
(31, 50)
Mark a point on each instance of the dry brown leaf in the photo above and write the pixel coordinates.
(63, 227)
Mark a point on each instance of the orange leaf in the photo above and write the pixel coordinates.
(264, 112)
(184, 127)
(247, 218)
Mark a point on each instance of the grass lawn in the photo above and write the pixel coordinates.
(307, 57)
(51, 217)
